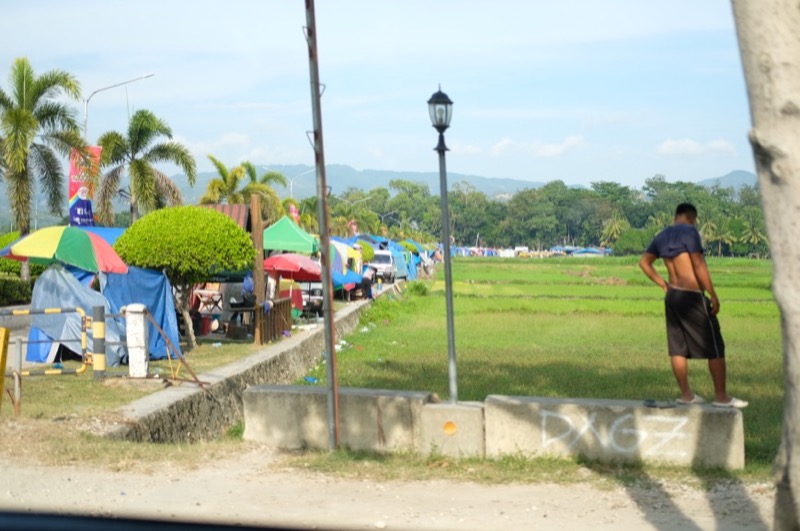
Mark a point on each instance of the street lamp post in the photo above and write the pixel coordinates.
(440, 108)
(86, 102)
(351, 203)
(382, 216)
(291, 181)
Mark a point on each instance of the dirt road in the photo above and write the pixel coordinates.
(253, 488)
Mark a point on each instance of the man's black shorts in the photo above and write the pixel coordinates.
(691, 329)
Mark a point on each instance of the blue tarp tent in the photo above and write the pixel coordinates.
(58, 287)
(151, 288)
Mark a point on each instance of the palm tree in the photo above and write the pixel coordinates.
(709, 232)
(613, 228)
(752, 233)
(660, 220)
(271, 207)
(725, 237)
(226, 187)
(269, 178)
(136, 152)
(34, 127)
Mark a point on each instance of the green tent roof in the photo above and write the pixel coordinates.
(285, 235)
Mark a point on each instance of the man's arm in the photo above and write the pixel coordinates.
(646, 263)
(704, 279)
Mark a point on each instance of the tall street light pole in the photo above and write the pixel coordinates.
(86, 102)
(291, 181)
(441, 110)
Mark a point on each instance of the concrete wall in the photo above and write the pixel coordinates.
(292, 417)
(187, 413)
(296, 417)
(614, 431)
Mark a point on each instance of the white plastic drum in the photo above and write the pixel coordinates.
(138, 356)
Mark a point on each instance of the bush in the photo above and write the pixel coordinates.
(410, 247)
(15, 291)
(367, 252)
(190, 243)
(417, 287)
(12, 267)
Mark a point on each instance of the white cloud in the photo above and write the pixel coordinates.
(537, 149)
(465, 149)
(721, 145)
(686, 146)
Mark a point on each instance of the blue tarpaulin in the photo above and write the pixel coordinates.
(151, 288)
(58, 287)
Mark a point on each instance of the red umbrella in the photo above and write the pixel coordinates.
(293, 266)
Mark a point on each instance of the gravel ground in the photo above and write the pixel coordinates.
(254, 489)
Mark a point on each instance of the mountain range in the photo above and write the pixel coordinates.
(341, 177)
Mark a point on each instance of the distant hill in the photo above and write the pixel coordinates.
(341, 177)
(735, 179)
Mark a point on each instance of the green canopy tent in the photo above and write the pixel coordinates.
(285, 235)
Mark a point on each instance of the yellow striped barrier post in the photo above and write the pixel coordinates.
(56, 372)
(99, 342)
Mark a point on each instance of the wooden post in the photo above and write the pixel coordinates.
(257, 234)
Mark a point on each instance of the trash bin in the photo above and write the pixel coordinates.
(205, 325)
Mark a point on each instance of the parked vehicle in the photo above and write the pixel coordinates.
(312, 297)
(384, 264)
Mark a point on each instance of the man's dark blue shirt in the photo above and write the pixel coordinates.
(676, 239)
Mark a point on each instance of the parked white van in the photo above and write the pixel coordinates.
(384, 264)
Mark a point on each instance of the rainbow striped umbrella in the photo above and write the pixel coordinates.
(67, 245)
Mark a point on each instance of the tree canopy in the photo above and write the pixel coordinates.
(189, 243)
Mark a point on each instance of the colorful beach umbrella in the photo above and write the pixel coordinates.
(66, 245)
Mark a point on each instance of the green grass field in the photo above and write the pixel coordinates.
(581, 328)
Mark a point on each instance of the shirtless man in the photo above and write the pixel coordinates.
(692, 325)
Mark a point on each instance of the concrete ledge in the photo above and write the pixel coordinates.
(614, 431)
(296, 417)
(455, 430)
(186, 413)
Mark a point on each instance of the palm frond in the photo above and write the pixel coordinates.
(215, 191)
(54, 116)
(22, 79)
(53, 83)
(144, 128)
(106, 192)
(20, 195)
(115, 148)
(44, 163)
(274, 177)
(168, 191)
(175, 153)
(5, 100)
(65, 140)
(222, 170)
(250, 171)
(143, 184)
(19, 127)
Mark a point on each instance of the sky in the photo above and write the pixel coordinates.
(575, 90)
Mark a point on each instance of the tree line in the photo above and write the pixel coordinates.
(607, 214)
(37, 125)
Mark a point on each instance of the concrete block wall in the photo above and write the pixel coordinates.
(614, 431)
(186, 413)
(296, 417)
(601, 430)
